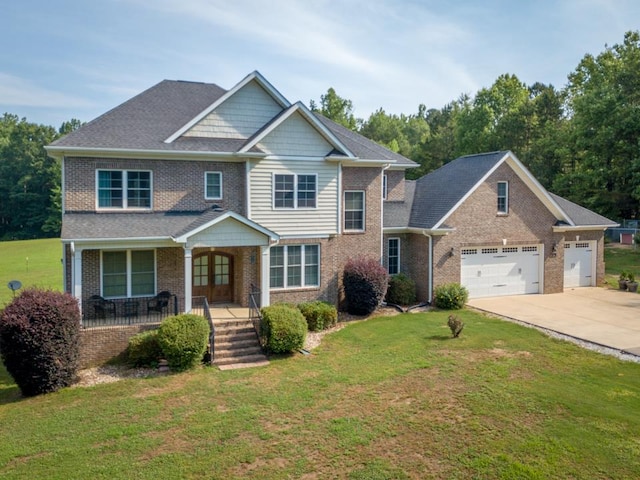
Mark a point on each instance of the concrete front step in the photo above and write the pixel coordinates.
(235, 351)
(233, 323)
(246, 360)
(236, 344)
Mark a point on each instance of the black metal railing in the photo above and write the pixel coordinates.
(104, 312)
(200, 306)
(254, 310)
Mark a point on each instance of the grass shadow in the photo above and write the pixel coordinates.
(9, 391)
(440, 337)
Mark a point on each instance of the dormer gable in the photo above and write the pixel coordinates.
(239, 113)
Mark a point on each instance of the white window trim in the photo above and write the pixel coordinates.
(128, 252)
(125, 205)
(295, 191)
(506, 198)
(388, 256)
(205, 185)
(385, 186)
(302, 267)
(364, 210)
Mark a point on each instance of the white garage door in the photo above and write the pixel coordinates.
(496, 271)
(578, 264)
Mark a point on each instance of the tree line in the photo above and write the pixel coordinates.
(581, 141)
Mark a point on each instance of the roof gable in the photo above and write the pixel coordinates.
(441, 192)
(229, 117)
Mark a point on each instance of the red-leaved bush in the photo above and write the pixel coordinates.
(365, 283)
(40, 340)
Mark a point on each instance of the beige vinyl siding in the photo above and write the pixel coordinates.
(322, 220)
(240, 116)
(229, 233)
(295, 136)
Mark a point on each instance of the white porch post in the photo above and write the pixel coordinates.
(76, 280)
(264, 276)
(188, 287)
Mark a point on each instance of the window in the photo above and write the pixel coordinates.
(384, 186)
(212, 185)
(129, 273)
(393, 256)
(293, 266)
(124, 189)
(503, 197)
(294, 191)
(354, 211)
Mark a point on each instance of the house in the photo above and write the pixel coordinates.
(206, 192)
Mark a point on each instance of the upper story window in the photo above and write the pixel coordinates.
(295, 191)
(503, 197)
(124, 189)
(393, 256)
(354, 211)
(385, 187)
(213, 185)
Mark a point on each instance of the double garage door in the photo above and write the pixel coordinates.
(496, 271)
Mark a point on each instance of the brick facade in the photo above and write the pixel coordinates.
(99, 345)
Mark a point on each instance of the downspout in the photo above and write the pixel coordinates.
(382, 213)
(430, 268)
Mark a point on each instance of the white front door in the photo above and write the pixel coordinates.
(579, 264)
(497, 271)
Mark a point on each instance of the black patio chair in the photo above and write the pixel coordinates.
(100, 308)
(159, 304)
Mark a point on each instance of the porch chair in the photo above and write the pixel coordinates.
(159, 303)
(101, 307)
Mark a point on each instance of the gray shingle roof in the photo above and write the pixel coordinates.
(581, 216)
(96, 226)
(148, 119)
(439, 191)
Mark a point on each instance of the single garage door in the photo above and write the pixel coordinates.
(578, 264)
(497, 271)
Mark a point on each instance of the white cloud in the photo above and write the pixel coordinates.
(18, 91)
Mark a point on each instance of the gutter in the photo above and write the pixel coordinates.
(59, 152)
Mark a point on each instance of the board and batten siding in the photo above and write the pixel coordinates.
(295, 136)
(229, 233)
(240, 116)
(322, 220)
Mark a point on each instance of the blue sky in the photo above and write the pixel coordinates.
(66, 59)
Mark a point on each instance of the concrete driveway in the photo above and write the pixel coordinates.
(598, 315)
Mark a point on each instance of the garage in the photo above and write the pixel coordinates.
(579, 264)
(496, 271)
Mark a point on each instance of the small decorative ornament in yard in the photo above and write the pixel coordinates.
(456, 325)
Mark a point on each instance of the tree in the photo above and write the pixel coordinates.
(336, 108)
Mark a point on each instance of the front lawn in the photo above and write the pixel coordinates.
(388, 398)
(618, 259)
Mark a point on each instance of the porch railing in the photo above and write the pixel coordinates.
(200, 306)
(254, 310)
(101, 312)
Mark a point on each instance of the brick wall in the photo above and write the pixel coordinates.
(98, 345)
(177, 185)
(395, 185)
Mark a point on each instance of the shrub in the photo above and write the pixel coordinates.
(450, 296)
(402, 290)
(365, 284)
(283, 328)
(144, 349)
(40, 340)
(183, 339)
(319, 315)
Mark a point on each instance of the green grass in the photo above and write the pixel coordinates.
(619, 259)
(32, 262)
(388, 398)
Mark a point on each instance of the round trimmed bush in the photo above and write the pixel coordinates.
(283, 328)
(402, 290)
(183, 340)
(144, 349)
(365, 283)
(450, 296)
(40, 340)
(319, 315)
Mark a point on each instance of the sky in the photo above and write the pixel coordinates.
(64, 59)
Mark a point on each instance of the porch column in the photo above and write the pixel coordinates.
(188, 287)
(76, 274)
(264, 276)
